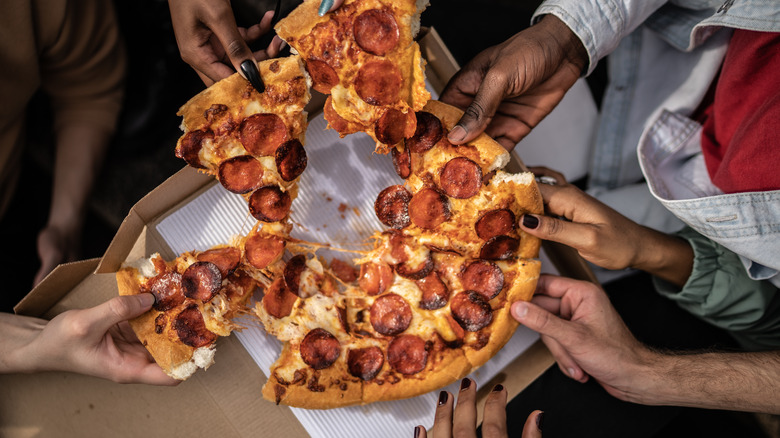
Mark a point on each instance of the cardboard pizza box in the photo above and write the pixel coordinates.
(222, 401)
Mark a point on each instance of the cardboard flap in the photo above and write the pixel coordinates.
(55, 286)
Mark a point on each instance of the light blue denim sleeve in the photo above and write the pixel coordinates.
(720, 292)
(600, 25)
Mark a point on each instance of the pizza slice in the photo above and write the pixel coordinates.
(364, 57)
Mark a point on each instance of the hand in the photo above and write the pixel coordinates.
(463, 423)
(586, 335)
(603, 236)
(508, 89)
(211, 42)
(55, 246)
(97, 341)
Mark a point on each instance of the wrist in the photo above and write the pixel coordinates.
(665, 256)
(572, 50)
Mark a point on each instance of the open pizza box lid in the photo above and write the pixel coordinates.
(224, 400)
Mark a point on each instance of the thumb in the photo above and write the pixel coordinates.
(533, 425)
(481, 110)
(573, 234)
(538, 319)
(118, 309)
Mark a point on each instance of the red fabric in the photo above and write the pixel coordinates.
(741, 131)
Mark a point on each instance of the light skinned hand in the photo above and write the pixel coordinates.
(97, 341)
(507, 89)
(211, 42)
(460, 420)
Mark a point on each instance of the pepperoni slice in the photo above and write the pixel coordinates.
(378, 83)
(499, 248)
(340, 124)
(461, 178)
(471, 311)
(319, 349)
(390, 314)
(269, 204)
(239, 285)
(167, 291)
(402, 162)
(344, 271)
(278, 301)
(261, 134)
(394, 126)
(189, 146)
(262, 250)
(428, 132)
(376, 31)
(429, 208)
(392, 206)
(495, 223)
(191, 328)
(241, 174)
(365, 363)
(375, 278)
(201, 281)
(483, 277)
(292, 273)
(323, 76)
(407, 354)
(291, 159)
(415, 272)
(226, 259)
(434, 292)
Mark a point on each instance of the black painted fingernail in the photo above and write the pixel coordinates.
(465, 383)
(443, 397)
(498, 388)
(539, 420)
(530, 221)
(249, 68)
(417, 431)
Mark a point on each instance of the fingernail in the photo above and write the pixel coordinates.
(465, 383)
(443, 397)
(146, 300)
(283, 45)
(458, 133)
(325, 6)
(530, 221)
(519, 309)
(249, 68)
(571, 373)
(417, 431)
(498, 388)
(539, 419)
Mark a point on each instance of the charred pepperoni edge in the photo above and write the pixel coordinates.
(319, 349)
(415, 273)
(257, 249)
(292, 273)
(461, 178)
(402, 162)
(495, 223)
(261, 134)
(291, 159)
(240, 174)
(407, 354)
(499, 248)
(392, 127)
(392, 206)
(471, 311)
(378, 83)
(269, 204)
(376, 31)
(190, 145)
(390, 314)
(428, 132)
(483, 277)
(191, 329)
(323, 76)
(343, 271)
(201, 281)
(429, 208)
(434, 292)
(365, 363)
(167, 291)
(375, 278)
(278, 301)
(226, 259)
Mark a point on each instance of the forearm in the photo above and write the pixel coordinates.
(18, 333)
(734, 381)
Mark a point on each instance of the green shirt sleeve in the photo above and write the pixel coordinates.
(720, 292)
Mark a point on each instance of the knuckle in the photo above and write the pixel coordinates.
(79, 327)
(235, 48)
(491, 430)
(442, 415)
(119, 307)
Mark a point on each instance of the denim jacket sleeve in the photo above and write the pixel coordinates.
(600, 25)
(720, 292)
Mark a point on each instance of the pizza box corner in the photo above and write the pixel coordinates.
(224, 400)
